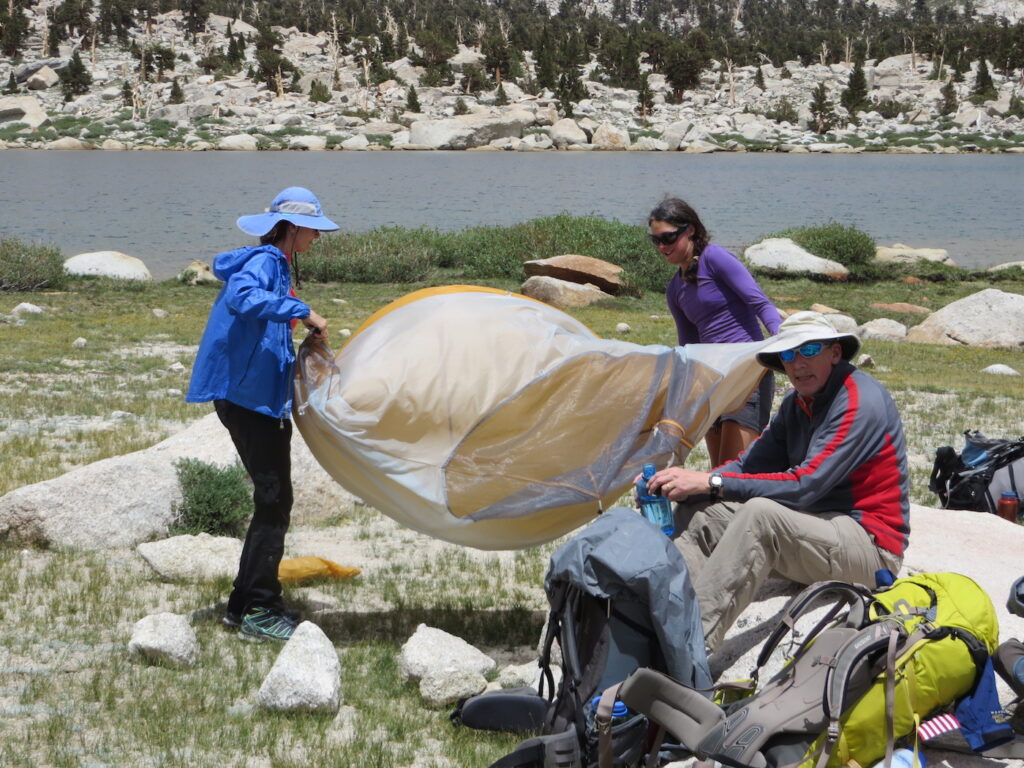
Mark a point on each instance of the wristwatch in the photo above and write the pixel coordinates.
(717, 484)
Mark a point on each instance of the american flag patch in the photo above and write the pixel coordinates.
(936, 726)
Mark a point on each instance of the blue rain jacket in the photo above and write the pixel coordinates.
(246, 353)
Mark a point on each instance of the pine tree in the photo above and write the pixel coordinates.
(319, 92)
(460, 107)
(74, 78)
(564, 94)
(177, 95)
(759, 78)
(127, 94)
(984, 88)
(412, 101)
(13, 28)
(12, 84)
(949, 104)
(822, 110)
(500, 97)
(644, 98)
(855, 97)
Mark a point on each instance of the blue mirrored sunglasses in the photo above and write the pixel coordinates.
(810, 349)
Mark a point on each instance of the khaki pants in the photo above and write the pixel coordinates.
(732, 547)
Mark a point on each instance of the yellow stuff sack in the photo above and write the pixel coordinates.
(296, 569)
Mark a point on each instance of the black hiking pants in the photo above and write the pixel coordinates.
(264, 445)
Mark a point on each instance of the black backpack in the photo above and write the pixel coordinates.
(620, 598)
(975, 478)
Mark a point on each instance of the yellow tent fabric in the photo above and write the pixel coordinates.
(492, 420)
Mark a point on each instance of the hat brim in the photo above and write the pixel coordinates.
(769, 356)
(259, 224)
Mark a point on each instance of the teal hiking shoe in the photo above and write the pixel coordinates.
(261, 624)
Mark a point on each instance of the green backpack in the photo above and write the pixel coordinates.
(854, 685)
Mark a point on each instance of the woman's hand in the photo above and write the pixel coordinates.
(676, 483)
(316, 324)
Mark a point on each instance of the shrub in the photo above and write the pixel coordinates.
(385, 255)
(30, 267)
(891, 108)
(783, 111)
(851, 247)
(500, 251)
(319, 92)
(214, 500)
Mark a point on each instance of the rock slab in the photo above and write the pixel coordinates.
(575, 268)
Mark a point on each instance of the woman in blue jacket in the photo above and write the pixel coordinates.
(244, 365)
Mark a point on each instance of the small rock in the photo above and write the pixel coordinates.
(177, 367)
(306, 676)
(340, 301)
(622, 328)
(1000, 370)
(27, 309)
(825, 309)
(165, 638)
(432, 652)
(120, 415)
(865, 361)
(79, 343)
(160, 314)
(174, 393)
(445, 688)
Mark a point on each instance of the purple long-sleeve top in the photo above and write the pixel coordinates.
(724, 304)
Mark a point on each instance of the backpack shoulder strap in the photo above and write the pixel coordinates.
(885, 634)
(852, 595)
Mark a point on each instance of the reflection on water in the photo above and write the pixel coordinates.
(170, 207)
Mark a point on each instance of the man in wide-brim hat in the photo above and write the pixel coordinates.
(823, 493)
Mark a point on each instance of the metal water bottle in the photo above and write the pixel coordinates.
(656, 509)
(1009, 506)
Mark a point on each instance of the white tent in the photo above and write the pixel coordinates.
(492, 420)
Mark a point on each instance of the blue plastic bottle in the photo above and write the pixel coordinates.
(657, 509)
(903, 758)
(620, 713)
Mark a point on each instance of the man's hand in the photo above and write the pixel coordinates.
(316, 324)
(676, 483)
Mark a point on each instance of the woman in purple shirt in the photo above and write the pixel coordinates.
(714, 299)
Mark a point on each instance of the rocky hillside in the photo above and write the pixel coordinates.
(733, 108)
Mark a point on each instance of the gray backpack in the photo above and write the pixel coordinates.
(620, 599)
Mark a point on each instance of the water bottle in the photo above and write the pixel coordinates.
(620, 713)
(884, 578)
(657, 509)
(1008, 506)
(903, 758)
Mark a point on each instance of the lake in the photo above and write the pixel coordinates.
(168, 208)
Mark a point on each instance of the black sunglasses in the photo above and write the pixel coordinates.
(668, 238)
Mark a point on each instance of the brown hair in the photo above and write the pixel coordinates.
(680, 213)
(278, 233)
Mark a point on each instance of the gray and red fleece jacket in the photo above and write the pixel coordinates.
(841, 451)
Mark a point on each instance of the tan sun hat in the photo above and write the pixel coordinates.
(801, 328)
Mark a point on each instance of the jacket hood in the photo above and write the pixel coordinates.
(228, 263)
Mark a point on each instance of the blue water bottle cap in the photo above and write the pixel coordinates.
(1009, 494)
(648, 469)
(620, 709)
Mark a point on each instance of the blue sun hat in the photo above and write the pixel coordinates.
(295, 204)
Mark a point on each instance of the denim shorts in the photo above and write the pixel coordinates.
(754, 415)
